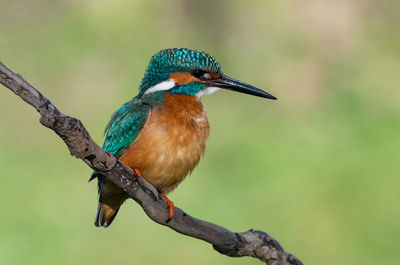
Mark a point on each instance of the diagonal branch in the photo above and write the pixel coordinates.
(252, 243)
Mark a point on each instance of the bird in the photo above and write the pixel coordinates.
(161, 132)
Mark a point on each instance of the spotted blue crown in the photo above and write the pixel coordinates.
(176, 60)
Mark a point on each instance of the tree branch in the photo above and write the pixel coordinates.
(252, 243)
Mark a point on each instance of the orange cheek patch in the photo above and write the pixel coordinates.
(215, 76)
(183, 78)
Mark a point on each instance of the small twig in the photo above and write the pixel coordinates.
(252, 243)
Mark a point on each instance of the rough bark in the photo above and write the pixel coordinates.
(251, 243)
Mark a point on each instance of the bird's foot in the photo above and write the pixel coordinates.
(137, 172)
(171, 207)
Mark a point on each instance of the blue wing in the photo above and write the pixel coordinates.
(124, 127)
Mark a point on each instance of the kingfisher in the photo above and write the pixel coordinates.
(161, 133)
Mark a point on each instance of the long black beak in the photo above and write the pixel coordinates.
(235, 85)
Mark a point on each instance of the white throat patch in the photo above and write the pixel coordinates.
(207, 91)
(164, 85)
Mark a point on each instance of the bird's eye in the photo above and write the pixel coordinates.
(199, 73)
(207, 75)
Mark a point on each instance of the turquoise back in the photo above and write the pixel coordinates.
(124, 126)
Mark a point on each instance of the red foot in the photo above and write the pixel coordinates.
(137, 172)
(171, 207)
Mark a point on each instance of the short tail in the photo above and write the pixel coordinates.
(105, 215)
(110, 200)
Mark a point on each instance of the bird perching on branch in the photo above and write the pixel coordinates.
(161, 132)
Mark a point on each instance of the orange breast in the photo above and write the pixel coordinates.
(171, 143)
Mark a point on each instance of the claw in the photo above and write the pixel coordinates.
(137, 172)
(171, 207)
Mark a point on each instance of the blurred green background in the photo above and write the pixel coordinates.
(318, 169)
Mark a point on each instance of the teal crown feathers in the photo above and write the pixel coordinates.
(176, 60)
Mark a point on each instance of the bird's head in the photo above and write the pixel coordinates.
(190, 72)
